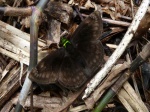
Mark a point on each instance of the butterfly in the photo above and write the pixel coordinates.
(77, 61)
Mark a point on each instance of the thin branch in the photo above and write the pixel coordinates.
(36, 13)
(115, 22)
(120, 23)
(14, 11)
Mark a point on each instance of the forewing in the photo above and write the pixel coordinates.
(47, 70)
(71, 75)
(88, 30)
(86, 41)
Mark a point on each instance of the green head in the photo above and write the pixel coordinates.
(64, 41)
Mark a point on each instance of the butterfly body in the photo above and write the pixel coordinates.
(73, 64)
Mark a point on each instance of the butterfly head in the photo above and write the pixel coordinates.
(64, 41)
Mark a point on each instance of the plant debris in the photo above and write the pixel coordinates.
(61, 18)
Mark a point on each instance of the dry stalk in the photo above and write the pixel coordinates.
(113, 76)
(15, 43)
(131, 98)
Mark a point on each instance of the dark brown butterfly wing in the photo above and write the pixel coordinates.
(47, 70)
(93, 55)
(89, 30)
(59, 68)
(86, 40)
